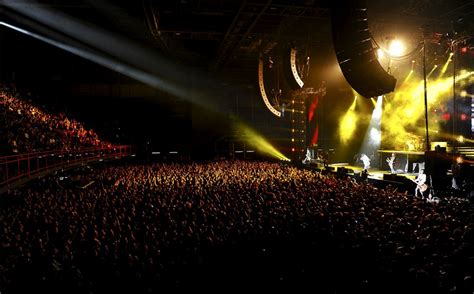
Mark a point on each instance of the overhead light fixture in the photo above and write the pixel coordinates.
(396, 48)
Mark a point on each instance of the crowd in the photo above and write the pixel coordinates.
(230, 225)
(28, 128)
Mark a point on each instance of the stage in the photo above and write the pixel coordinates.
(400, 168)
(374, 173)
(406, 165)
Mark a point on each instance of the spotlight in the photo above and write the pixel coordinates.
(463, 93)
(396, 48)
(460, 139)
(257, 141)
(380, 53)
(375, 135)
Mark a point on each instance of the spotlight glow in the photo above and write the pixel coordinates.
(403, 113)
(377, 113)
(445, 66)
(380, 53)
(408, 77)
(432, 71)
(374, 102)
(396, 48)
(375, 136)
(257, 141)
(347, 124)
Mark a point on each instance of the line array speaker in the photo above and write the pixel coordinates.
(354, 50)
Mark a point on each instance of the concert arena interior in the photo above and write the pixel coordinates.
(213, 146)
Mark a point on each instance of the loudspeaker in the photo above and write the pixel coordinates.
(437, 164)
(355, 53)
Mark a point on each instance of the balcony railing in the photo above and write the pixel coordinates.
(16, 167)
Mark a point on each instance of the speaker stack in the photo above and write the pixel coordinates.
(355, 53)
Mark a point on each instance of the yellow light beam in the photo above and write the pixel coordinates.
(257, 141)
(445, 66)
(458, 138)
(408, 77)
(373, 102)
(348, 123)
(403, 113)
(432, 70)
(353, 105)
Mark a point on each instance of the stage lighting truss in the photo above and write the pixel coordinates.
(261, 84)
(295, 71)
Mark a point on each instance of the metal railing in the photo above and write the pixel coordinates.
(16, 167)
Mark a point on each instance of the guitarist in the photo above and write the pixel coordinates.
(420, 183)
(391, 162)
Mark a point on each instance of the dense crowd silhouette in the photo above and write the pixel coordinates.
(229, 225)
(28, 128)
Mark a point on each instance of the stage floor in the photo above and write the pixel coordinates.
(374, 173)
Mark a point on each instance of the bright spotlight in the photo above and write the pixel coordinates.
(380, 53)
(373, 102)
(396, 48)
(463, 93)
(460, 139)
(257, 141)
(375, 136)
(377, 113)
(432, 71)
(347, 126)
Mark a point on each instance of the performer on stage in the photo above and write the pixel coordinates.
(459, 171)
(324, 157)
(391, 161)
(308, 158)
(366, 160)
(420, 183)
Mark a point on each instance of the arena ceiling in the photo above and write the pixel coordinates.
(232, 33)
(220, 36)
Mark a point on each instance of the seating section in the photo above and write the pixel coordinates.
(28, 128)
